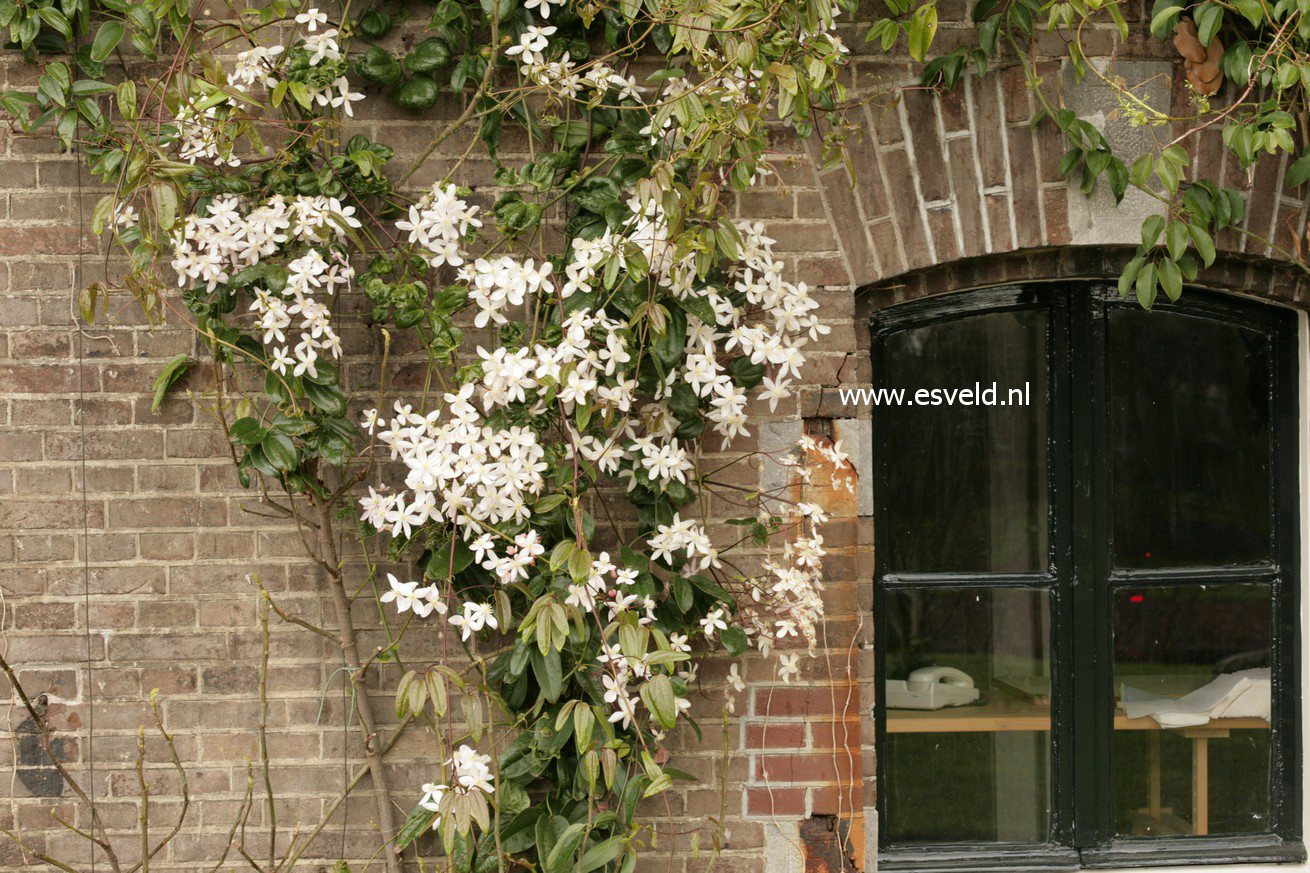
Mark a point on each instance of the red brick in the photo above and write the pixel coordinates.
(780, 701)
(788, 802)
(809, 768)
(782, 735)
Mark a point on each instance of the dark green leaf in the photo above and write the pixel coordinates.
(280, 451)
(734, 640)
(745, 373)
(246, 432)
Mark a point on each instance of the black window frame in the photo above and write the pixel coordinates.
(1079, 557)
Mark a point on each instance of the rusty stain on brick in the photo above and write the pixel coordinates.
(825, 845)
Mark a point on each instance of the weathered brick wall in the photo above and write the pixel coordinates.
(126, 542)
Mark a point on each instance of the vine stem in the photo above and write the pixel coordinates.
(98, 836)
(350, 649)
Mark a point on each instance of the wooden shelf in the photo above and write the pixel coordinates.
(1003, 712)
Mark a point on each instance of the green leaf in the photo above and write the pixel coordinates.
(734, 640)
(1171, 279)
(1069, 161)
(670, 343)
(1146, 286)
(57, 20)
(1236, 62)
(518, 834)
(90, 88)
(1252, 9)
(560, 859)
(1299, 171)
(746, 373)
(549, 672)
(660, 699)
(1176, 239)
(584, 722)
(1117, 175)
(246, 432)
(107, 39)
(682, 594)
(1164, 20)
(1152, 227)
(442, 564)
(1203, 242)
(1141, 171)
(601, 854)
(1170, 173)
(921, 30)
(1119, 22)
(165, 197)
(280, 451)
(328, 398)
(1209, 18)
(988, 32)
(173, 370)
(1129, 276)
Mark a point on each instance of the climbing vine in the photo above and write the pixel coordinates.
(582, 339)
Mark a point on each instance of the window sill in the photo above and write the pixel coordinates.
(1196, 852)
(1256, 854)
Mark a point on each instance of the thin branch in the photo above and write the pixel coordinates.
(43, 736)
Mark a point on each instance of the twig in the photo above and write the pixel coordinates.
(101, 838)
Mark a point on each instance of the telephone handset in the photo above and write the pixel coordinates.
(931, 688)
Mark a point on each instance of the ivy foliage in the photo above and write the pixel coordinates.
(1258, 49)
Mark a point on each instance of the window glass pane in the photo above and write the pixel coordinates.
(1192, 686)
(966, 482)
(976, 767)
(1190, 440)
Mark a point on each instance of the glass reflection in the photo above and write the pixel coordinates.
(967, 763)
(1192, 685)
(1190, 432)
(968, 481)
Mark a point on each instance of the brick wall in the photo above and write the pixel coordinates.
(126, 542)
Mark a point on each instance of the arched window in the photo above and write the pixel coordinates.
(1087, 579)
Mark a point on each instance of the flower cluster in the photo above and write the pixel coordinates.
(211, 248)
(202, 133)
(438, 224)
(460, 470)
(480, 478)
(472, 772)
(201, 137)
(562, 77)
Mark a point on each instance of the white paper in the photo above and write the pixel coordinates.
(1244, 694)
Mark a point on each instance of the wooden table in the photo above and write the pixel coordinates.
(1003, 712)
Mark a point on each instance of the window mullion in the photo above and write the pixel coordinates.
(1088, 619)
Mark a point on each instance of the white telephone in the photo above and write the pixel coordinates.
(931, 688)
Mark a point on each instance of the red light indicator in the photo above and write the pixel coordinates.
(1136, 598)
